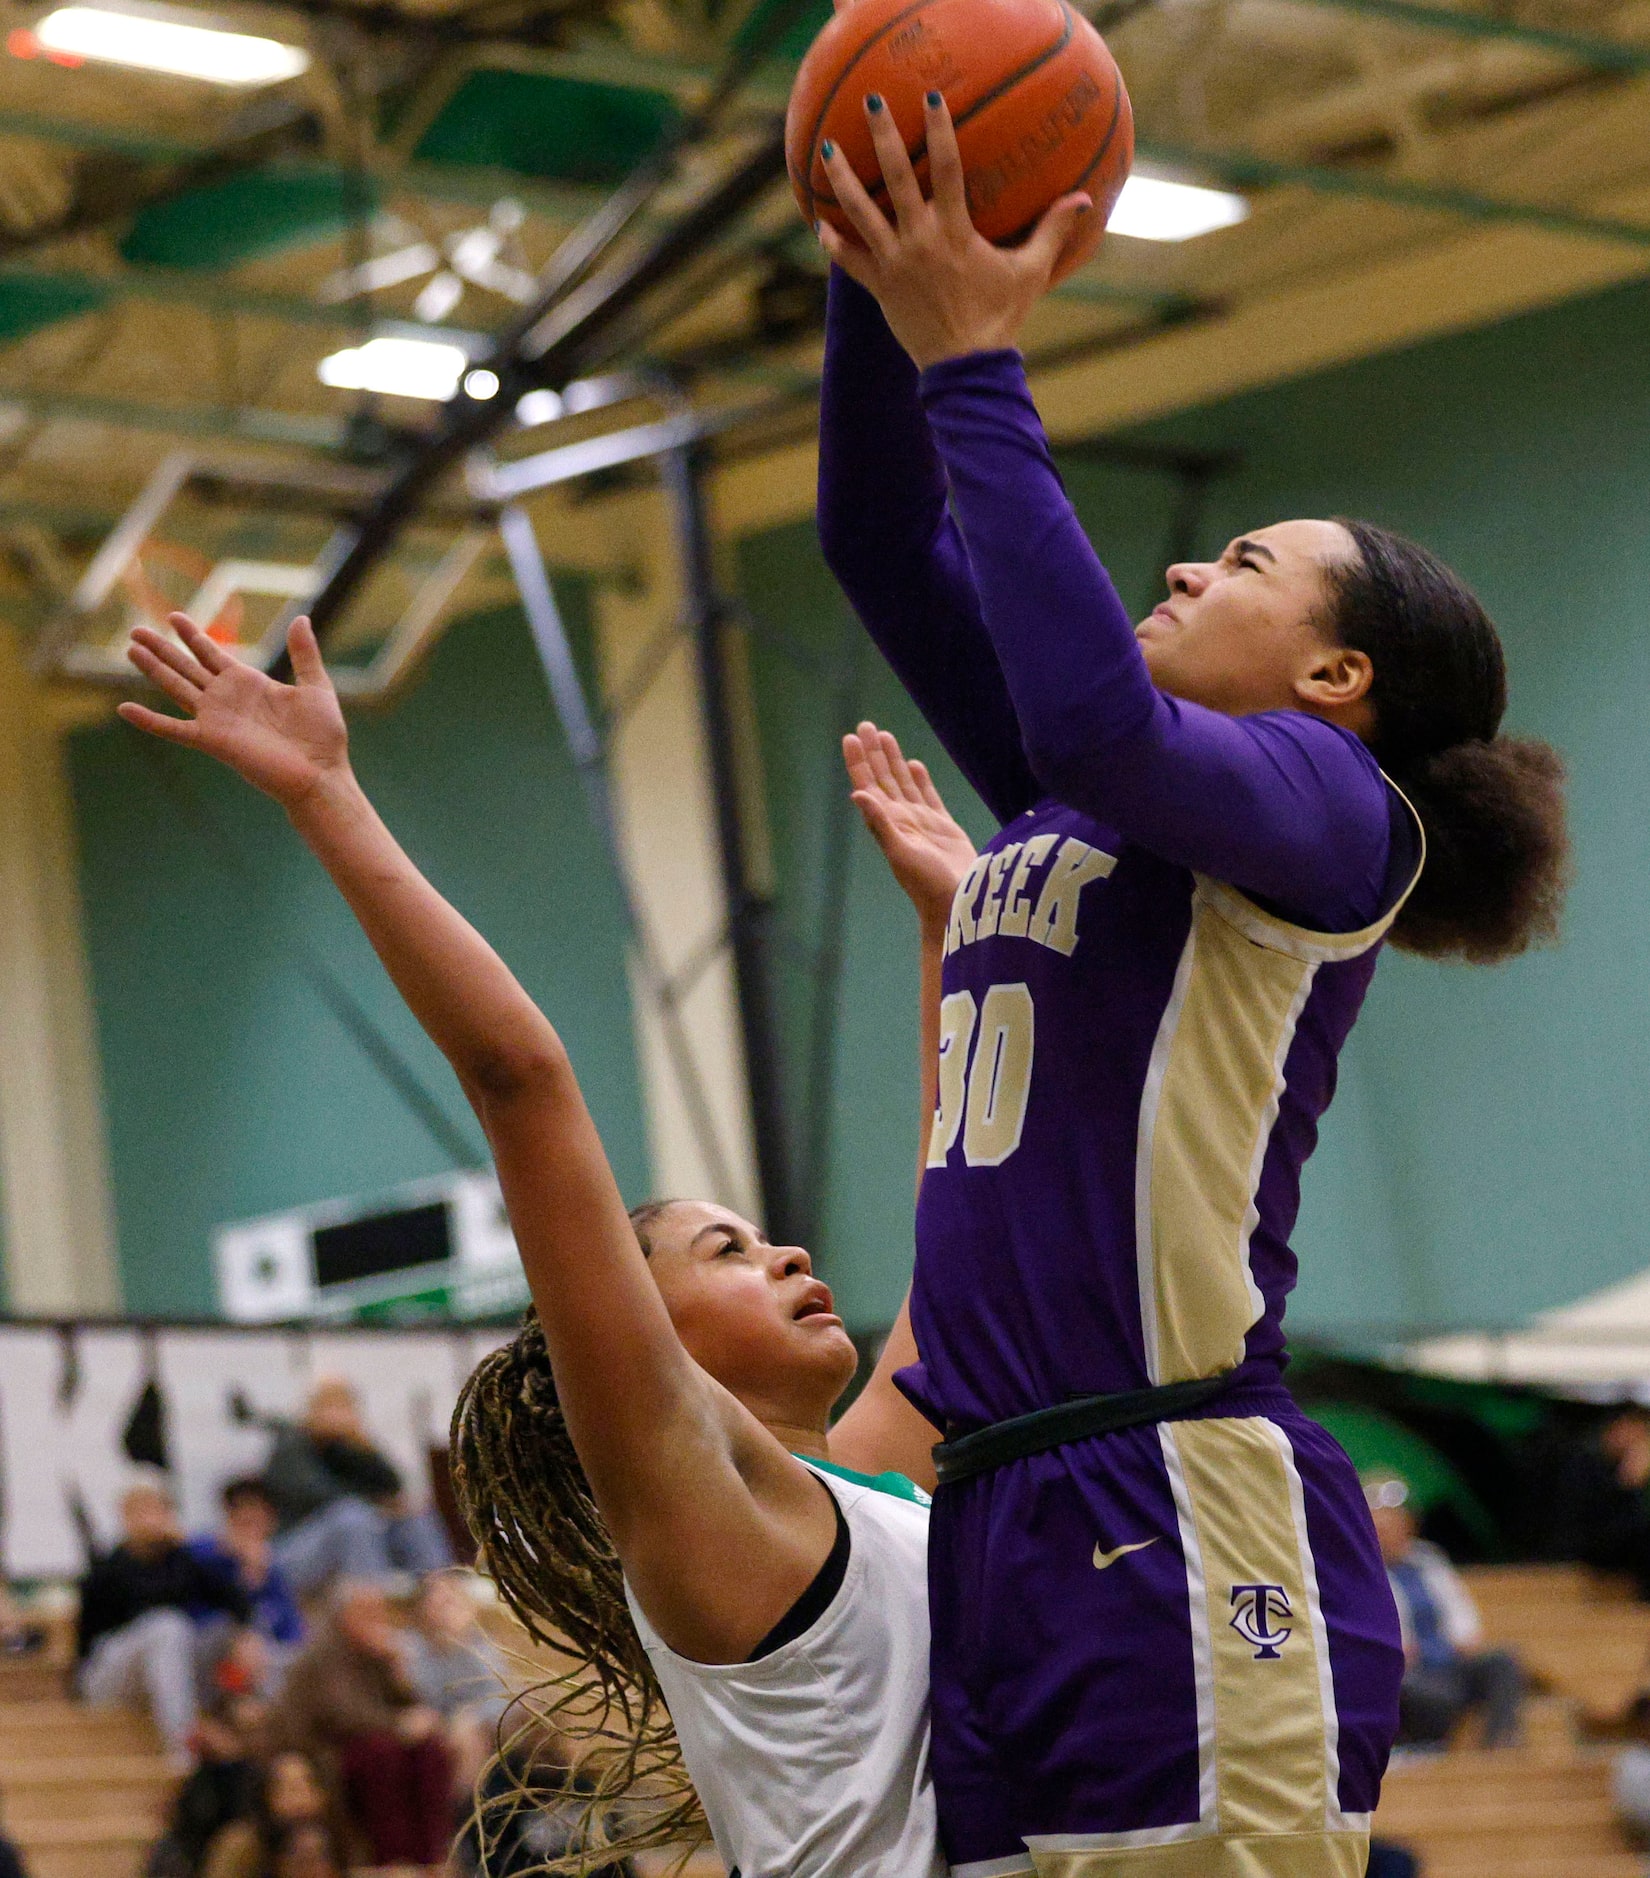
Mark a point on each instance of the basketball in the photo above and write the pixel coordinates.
(1037, 99)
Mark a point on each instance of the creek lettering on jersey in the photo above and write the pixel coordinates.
(1000, 898)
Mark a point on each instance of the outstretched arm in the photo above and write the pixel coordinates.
(1282, 805)
(889, 538)
(929, 854)
(684, 1476)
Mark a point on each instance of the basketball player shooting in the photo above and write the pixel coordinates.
(1163, 1641)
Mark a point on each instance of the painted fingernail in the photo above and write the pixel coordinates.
(934, 101)
(827, 149)
(873, 103)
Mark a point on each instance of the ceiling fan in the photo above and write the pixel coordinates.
(488, 256)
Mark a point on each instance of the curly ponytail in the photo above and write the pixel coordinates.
(1492, 807)
(527, 1502)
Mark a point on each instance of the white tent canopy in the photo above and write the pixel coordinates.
(1599, 1345)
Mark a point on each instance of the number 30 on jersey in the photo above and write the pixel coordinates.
(983, 1095)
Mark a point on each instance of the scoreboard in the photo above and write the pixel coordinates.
(438, 1248)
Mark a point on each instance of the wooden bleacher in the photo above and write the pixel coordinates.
(83, 1793)
(1541, 1810)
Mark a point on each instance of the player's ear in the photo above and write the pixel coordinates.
(1335, 677)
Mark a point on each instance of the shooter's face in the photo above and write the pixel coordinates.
(1244, 633)
(752, 1314)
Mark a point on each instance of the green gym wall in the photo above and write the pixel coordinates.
(1487, 1153)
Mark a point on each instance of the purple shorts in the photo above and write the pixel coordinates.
(1169, 1650)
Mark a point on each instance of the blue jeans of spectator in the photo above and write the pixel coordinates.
(1388, 1860)
(352, 1538)
(1433, 1700)
(153, 1662)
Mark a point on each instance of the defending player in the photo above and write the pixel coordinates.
(1163, 1640)
(654, 1414)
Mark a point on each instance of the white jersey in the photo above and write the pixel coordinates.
(812, 1762)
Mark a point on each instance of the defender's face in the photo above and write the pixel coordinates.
(752, 1314)
(1236, 634)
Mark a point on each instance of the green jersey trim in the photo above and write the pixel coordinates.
(897, 1486)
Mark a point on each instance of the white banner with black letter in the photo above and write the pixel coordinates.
(81, 1405)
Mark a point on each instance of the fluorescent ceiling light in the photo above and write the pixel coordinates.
(1154, 209)
(538, 407)
(402, 368)
(154, 43)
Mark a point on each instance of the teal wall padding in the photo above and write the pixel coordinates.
(258, 212)
(1486, 1155)
(231, 1090)
(813, 678)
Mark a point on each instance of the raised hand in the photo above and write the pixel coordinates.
(283, 739)
(928, 852)
(945, 289)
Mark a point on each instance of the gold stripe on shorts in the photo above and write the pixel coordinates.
(1272, 1855)
(1273, 1743)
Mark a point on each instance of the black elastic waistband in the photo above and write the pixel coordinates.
(1000, 1442)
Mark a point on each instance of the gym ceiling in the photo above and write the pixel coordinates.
(178, 257)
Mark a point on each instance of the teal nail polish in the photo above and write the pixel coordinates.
(827, 149)
(934, 101)
(873, 103)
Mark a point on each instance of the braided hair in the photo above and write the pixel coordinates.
(529, 1507)
(1491, 806)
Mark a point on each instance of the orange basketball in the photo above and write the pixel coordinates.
(1038, 102)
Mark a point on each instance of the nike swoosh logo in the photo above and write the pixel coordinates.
(1103, 1559)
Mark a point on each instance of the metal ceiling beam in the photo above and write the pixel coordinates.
(183, 420)
(168, 287)
(562, 342)
(1246, 170)
(439, 182)
(1604, 55)
(110, 140)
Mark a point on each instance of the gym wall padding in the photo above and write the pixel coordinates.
(1487, 1154)
(231, 1090)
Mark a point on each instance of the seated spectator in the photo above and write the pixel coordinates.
(1596, 1497)
(231, 1739)
(288, 1795)
(459, 1671)
(342, 1508)
(242, 1551)
(349, 1704)
(18, 1637)
(1446, 1673)
(137, 1645)
(1388, 1859)
(306, 1851)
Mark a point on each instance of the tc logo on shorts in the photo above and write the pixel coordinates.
(1257, 1607)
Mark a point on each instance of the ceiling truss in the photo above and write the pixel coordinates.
(1411, 168)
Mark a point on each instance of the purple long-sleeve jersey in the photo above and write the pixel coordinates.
(1150, 971)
